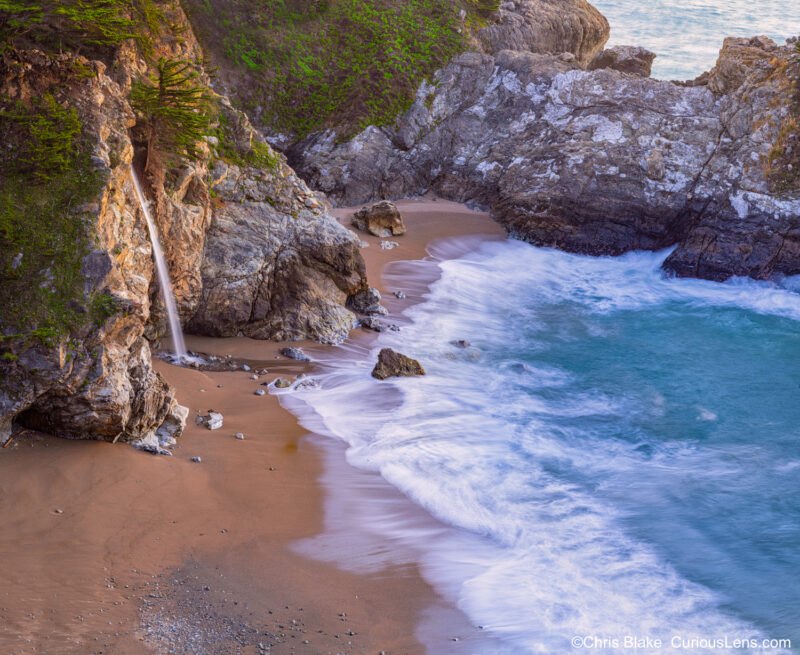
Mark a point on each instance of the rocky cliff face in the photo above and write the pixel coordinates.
(547, 27)
(250, 249)
(276, 265)
(598, 162)
(98, 383)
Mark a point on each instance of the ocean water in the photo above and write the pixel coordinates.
(616, 454)
(687, 34)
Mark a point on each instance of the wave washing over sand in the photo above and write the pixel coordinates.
(615, 452)
(687, 34)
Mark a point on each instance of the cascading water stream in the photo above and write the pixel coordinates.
(178, 345)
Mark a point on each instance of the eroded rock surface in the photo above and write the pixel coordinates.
(547, 27)
(626, 59)
(597, 162)
(250, 250)
(394, 364)
(276, 265)
(381, 220)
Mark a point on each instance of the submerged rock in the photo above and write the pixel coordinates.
(395, 364)
(381, 220)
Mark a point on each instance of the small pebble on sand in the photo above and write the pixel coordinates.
(196, 460)
(239, 435)
(260, 392)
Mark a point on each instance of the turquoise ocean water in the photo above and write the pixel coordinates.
(617, 453)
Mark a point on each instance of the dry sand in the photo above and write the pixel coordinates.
(105, 549)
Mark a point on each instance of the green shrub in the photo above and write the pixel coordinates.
(50, 131)
(46, 176)
(257, 155)
(67, 23)
(346, 64)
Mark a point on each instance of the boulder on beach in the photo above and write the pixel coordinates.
(295, 353)
(381, 220)
(212, 420)
(394, 364)
(367, 302)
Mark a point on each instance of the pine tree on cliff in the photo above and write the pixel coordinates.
(175, 107)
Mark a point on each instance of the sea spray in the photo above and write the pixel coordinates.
(178, 344)
(616, 450)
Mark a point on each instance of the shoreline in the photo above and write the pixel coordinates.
(103, 543)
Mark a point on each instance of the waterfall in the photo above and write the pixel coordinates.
(178, 345)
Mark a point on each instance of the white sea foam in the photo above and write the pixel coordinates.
(519, 463)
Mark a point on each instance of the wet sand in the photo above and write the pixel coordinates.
(108, 549)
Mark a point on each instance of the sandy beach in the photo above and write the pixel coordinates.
(106, 549)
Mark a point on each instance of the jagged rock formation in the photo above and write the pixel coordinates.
(276, 265)
(626, 59)
(598, 162)
(250, 249)
(392, 364)
(547, 27)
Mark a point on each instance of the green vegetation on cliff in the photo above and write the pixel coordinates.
(46, 176)
(77, 25)
(304, 65)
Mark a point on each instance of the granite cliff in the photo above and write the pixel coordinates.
(597, 161)
(250, 249)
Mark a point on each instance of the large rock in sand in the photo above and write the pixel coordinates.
(381, 220)
(394, 364)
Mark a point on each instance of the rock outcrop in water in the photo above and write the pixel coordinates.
(392, 364)
(597, 162)
(250, 249)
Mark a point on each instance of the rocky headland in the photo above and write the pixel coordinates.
(568, 144)
(597, 161)
(251, 250)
